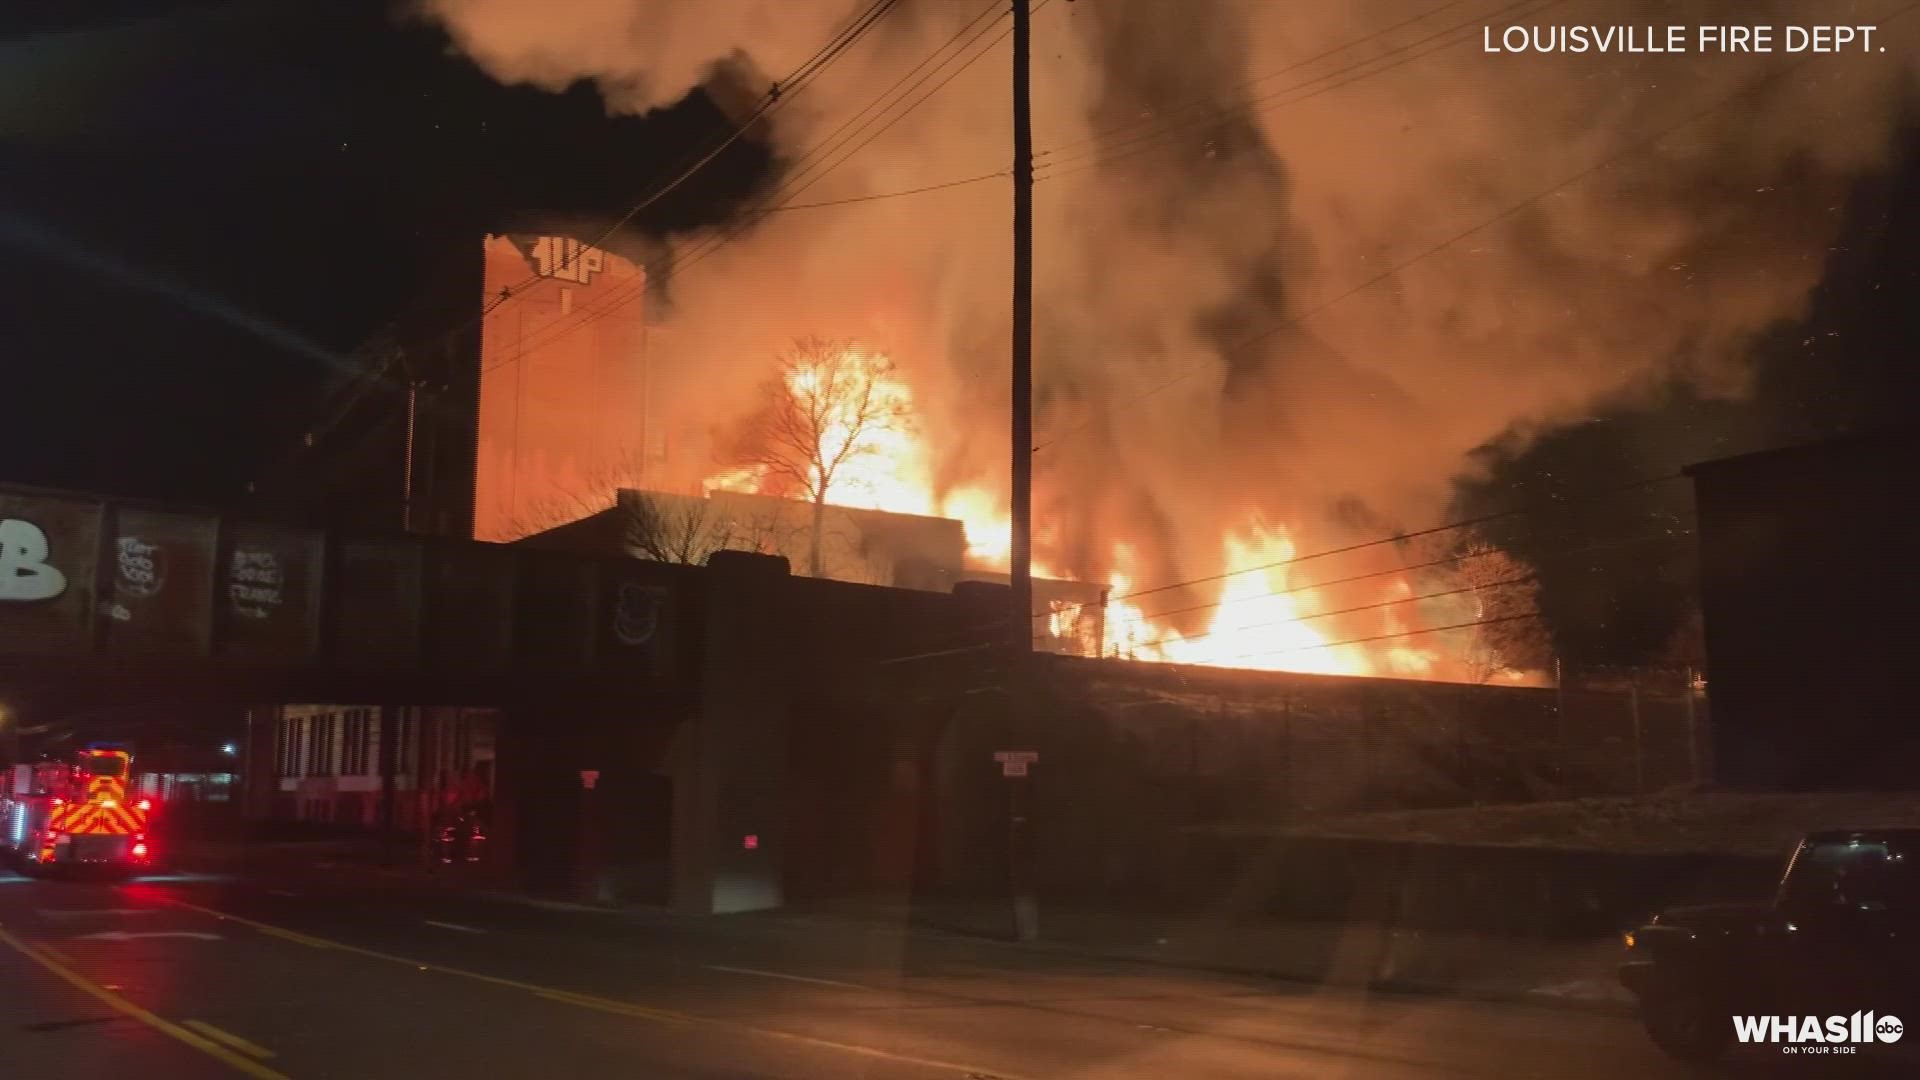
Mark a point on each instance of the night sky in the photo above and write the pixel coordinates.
(203, 207)
(206, 205)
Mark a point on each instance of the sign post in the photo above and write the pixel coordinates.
(1026, 909)
(592, 880)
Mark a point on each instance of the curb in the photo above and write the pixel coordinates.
(1531, 997)
(1396, 986)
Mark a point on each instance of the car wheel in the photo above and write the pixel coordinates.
(1687, 1024)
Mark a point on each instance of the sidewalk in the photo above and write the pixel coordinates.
(1359, 956)
(1575, 974)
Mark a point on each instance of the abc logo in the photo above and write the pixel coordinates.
(1887, 1029)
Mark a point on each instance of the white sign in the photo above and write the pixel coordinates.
(254, 583)
(1013, 768)
(142, 567)
(24, 573)
(567, 259)
(1021, 757)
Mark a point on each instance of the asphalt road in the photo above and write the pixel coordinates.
(306, 978)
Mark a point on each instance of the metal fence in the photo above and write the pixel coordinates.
(1347, 745)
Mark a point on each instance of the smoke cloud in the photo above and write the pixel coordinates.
(1206, 209)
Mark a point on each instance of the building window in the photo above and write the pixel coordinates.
(356, 757)
(321, 762)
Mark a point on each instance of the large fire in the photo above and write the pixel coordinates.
(1256, 617)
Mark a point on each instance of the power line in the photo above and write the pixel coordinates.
(1144, 140)
(668, 181)
(1356, 609)
(1070, 609)
(682, 263)
(1391, 571)
(1396, 539)
(1221, 661)
(1509, 211)
(782, 208)
(1212, 102)
(774, 97)
(685, 261)
(831, 144)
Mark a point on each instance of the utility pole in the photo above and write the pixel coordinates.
(1020, 838)
(1021, 562)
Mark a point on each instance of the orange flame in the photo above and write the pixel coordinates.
(1258, 619)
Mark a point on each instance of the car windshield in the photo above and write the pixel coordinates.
(1854, 873)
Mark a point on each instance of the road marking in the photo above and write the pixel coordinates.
(623, 1008)
(124, 935)
(228, 1037)
(1586, 990)
(167, 1027)
(789, 978)
(62, 1025)
(453, 926)
(77, 913)
(287, 935)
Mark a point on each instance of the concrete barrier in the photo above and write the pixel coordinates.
(1539, 891)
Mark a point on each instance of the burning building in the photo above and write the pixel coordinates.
(1260, 342)
(563, 370)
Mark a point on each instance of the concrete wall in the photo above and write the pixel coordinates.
(1141, 765)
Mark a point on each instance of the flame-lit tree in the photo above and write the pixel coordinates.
(825, 406)
(661, 527)
(1505, 596)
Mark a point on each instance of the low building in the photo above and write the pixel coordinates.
(1808, 591)
(869, 547)
(353, 765)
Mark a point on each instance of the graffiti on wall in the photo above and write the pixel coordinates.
(25, 574)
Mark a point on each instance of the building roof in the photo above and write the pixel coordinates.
(1871, 443)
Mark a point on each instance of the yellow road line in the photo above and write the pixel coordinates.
(298, 939)
(228, 1037)
(623, 1008)
(164, 1026)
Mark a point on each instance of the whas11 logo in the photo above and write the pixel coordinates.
(1818, 1034)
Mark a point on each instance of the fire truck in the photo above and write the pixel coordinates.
(76, 813)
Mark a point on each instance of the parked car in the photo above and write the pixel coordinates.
(1841, 936)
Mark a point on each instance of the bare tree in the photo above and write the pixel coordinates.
(1505, 595)
(821, 409)
(676, 529)
(663, 527)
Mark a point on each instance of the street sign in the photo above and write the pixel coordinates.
(589, 777)
(1013, 768)
(1015, 757)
